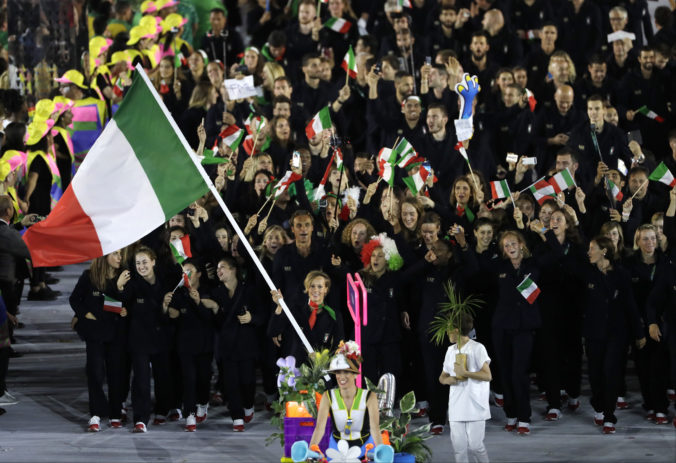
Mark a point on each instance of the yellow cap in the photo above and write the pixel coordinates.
(72, 76)
(153, 23)
(62, 104)
(165, 3)
(98, 45)
(139, 32)
(174, 20)
(38, 129)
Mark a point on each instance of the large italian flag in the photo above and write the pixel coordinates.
(138, 174)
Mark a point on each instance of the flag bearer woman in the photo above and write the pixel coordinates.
(100, 320)
(149, 335)
(611, 319)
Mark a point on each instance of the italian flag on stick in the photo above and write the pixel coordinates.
(417, 181)
(349, 63)
(321, 121)
(286, 181)
(386, 160)
(180, 248)
(562, 181)
(528, 289)
(404, 153)
(111, 305)
(138, 174)
(500, 189)
(184, 281)
(661, 174)
(338, 25)
(232, 136)
(615, 190)
(650, 114)
(320, 191)
(542, 190)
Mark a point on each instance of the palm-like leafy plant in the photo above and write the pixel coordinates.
(402, 438)
(451, 312)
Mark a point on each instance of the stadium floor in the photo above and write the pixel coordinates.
(49, 422)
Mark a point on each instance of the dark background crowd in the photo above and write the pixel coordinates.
(581, 86)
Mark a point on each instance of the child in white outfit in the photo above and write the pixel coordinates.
(468, 407)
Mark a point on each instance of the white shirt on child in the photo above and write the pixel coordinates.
(468, 399)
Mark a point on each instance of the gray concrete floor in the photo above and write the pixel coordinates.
(49, 422)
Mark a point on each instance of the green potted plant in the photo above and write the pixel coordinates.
(409, 445)
(448, 318)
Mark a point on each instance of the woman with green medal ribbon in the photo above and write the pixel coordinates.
(354, 411)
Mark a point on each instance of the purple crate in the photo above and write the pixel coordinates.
(296, 429)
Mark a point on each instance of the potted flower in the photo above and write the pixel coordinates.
(447, 321)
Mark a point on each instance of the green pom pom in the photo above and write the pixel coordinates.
(395, 262)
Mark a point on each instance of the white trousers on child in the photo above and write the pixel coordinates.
(467, 438)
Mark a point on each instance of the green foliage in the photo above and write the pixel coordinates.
(450, 313)
(402, 438)
(310, 380)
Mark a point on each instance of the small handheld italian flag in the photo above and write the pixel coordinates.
(118, 88)
(664, 175)
(232, 136)
(254, 124)
(650, 114)
(339, 25)
(286, 181)
(180, 248)
(404, 4)
(349, 63)
(463, 152)
(184, 281)
(562, 181)
(111, 305)
(615, 191)
(528, 289)
(321, 121)
(404, 152)
(417, 181)
(386, 161)
(339, 158)
(542, 190)
(532, 102)
(500, 189)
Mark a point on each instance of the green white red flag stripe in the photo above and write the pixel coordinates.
(528, 289)
(500, 189)
(417, 181)
(615, 190)
(254, 124)
(349, 63)
(180, 248)
(321, 121)
(532, 102)
(404, 153)
(137, 175)
(286, 181)
(184, 281)
(386, 161)
(461, 149)
(339, 25)
(320, 191)
(542, 190)
(663, 174)
(650, 114)
(232, 136)
(404, 4)
(111, 305)
(562, 180)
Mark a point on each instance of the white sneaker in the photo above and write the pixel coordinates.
(94, 424)
(8, 399)
(139, 427)
(202, 413)
(191, 423)
(238, 425)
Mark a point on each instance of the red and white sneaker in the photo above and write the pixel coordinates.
(175, 415)
(573, 404)
(622, 404)
(523, 429)
(553, 414)
(94, 424)
(671, 395)
(511, 424)
(661, 418)
(116, 424)
(437, 429)
(159, 420)
(191, 423)
(248, 415)
(139, 427)
(608, 428)
(651, 416)
(499, 400)
(598, 419)
(201, 416)
(238, 425)
(421, 413)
